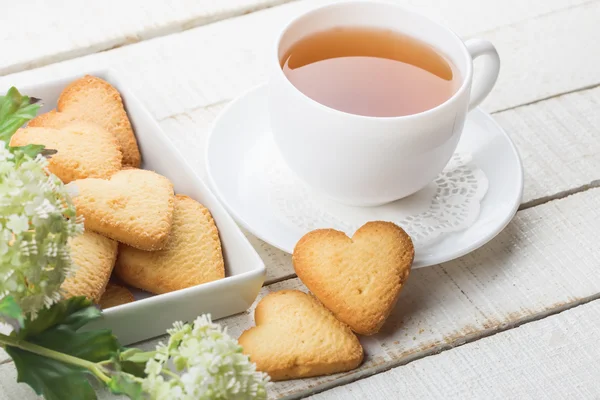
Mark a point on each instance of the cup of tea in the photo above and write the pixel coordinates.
(367, 100)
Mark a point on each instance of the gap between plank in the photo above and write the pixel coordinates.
(441, 348)
(560, 195)
(580, 89)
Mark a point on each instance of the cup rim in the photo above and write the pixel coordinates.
(463, 87)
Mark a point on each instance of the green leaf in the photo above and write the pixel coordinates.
(57, 328)
(122, 383)
(15, 110)
(136, 355)
(133, 361)
(75, 312)
(50, 378)
(11, 313)
(32, 150)
(93, 346)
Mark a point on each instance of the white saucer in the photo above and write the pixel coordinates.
(240, 139)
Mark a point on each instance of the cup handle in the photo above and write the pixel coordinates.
(477, 48)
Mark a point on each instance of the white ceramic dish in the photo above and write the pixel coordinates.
(149, 316)
(235, 156)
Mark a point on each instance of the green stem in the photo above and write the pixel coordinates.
(55, 355)
(170, 374)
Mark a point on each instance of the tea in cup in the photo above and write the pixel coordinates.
(368, 100)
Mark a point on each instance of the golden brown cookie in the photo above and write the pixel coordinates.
(296, 337)
(92, 99)
(115, 295)
(191, 256)
(94, 258)
(358, 279)
(84, 150)
(134, 207)
(54, 119)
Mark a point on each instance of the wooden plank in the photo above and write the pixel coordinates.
(71, 28)
(211, 64)
(554, 358)
(41, 32)
(218, 91)
(544, 262)
(558, 140)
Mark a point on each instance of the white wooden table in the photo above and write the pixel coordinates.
(518, 318)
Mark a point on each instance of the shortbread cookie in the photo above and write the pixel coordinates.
(296, 337)
(94, 258)
(54, 119)
(84, 150)
(115, 295)
(192, 255)
(134, 207)
(93, 99)
(358, 279)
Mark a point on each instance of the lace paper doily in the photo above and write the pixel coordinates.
(449, 204)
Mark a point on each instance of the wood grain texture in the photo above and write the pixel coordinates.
(554, 358)
(214, 63)
(544, 262)
(66, 29)
(558, 141)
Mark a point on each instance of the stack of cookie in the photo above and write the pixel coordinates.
(137, 230)
(355, 283)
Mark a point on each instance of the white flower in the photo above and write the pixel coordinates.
(37, 219)
(45, 209)
(206, 364)
(17, 223)
(5, 154)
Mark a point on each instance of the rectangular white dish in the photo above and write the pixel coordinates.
(149, 316)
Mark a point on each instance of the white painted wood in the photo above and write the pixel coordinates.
(214, 63)
(547, 258)
(544, 262)
(38, 32)
(558, 140)
(554, 358)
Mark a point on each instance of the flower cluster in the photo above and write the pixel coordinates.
(201, 361)
(37, 218)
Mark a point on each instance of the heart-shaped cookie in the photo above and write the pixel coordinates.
(94, 258)
(296, 337)
(84, 150)
(134, 207)
(92, 99)
(358, 279)
(115, 295)
(191, 256)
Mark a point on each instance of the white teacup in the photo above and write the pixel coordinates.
(367, 161)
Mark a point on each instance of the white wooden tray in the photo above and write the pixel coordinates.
(149, 316)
